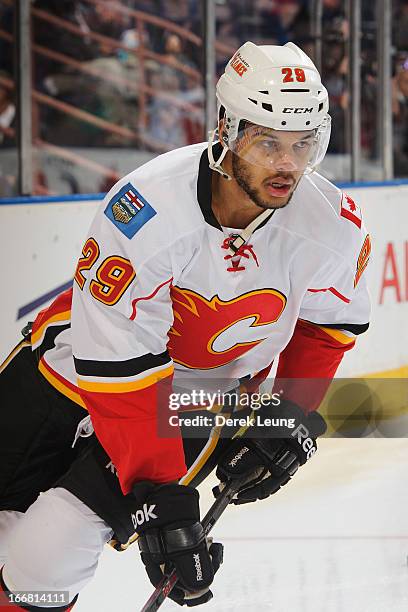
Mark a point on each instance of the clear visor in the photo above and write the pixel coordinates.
(281, 150)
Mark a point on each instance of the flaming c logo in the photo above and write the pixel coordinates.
(210, 333)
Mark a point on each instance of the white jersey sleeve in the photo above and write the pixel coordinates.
(121, 314)
(338, 295)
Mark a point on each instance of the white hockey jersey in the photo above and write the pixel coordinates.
(156, 295)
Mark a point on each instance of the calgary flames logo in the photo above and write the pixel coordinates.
(210, 333)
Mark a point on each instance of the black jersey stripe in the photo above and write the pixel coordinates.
(350, 327)
(50, 336)
(128, 367)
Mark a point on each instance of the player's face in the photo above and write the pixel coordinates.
(268, 164)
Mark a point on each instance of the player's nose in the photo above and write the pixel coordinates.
(285, 162)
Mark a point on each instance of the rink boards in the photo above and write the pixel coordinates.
(41, 239)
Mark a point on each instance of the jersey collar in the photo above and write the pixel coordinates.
(204, 186)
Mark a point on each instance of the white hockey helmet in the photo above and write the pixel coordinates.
(277, 87)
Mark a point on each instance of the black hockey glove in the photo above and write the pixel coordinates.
(270, 462)
(171, 536)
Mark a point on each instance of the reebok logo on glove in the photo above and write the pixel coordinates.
(144, 515)
(303, 438)
(197, 564)
(238, 456)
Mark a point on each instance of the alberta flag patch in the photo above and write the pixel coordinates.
(129, 211)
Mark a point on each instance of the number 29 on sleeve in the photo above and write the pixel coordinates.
(112, 277)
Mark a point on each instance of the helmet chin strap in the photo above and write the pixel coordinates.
(246, 233)
(216, 164)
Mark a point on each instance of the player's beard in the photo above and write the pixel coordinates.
(244, 178)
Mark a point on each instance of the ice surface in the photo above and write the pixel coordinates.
(335, 539)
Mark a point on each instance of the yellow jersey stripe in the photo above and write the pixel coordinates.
(60, 316)
(202, 458)
(185, 480)
(125, 387)
(60, 386)
(13, 353)
(338, 335)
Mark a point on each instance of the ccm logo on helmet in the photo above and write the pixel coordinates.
(298, 110)
(140, 516)
(302, 435)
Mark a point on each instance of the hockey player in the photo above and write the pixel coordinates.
(200, 268)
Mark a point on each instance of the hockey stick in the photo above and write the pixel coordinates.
(167, 583)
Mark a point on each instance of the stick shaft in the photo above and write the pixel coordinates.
(167, 583)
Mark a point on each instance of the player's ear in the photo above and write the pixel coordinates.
(221, 128)
(221, 124)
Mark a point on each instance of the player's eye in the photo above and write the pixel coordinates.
(269, 145)
(302, 146)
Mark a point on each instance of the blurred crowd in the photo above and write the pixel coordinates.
(107, 78)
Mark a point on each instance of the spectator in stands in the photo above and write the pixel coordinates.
(6, 47)
(152, 7)
(180, 12)
(400, 23)
(165, 118)
(400, 114)
(155, 34)
(103, 88)
(107, 20)
(8, 185)
(175, 59)
(295, 19)
(369, 103)
(165, 130)
(7, 113)
(300, 30)
(171, 125)
(231, 25)
(334, 72)
(56, 127)
(332, 9)
(266, 25)
(274, 21)
(79, 47)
